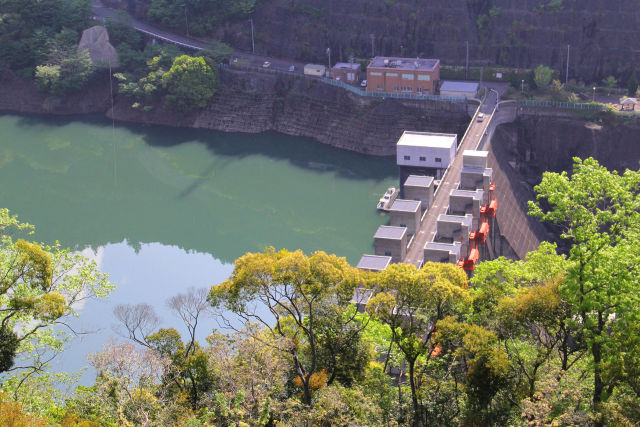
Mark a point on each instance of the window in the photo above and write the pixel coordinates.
(426, 77)
(395, 88)
(392, 74)
(439, 159)
(376, 73)
(380, 87)
(423, 159)
(407, 157)
(407, 76)
(387, 253)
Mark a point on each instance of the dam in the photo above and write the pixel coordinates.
(448, 201)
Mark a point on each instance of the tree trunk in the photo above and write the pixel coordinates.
(598, 385)
(414, 396)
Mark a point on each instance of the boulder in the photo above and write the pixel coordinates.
(96, 41)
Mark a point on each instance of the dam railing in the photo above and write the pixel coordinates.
(559, 104)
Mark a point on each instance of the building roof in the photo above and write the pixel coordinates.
(444, 247)
(403, 205)
(475, 153)
(315, 66)
(418, 181)
(427, 139)
(389, 232)
(347, 65)
(458, 219)
(453, 86)
(476, 171)
(374, 262)
(410, 64)
(477, 194)
(628, 101)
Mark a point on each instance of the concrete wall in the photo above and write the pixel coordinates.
(475, 179)
(411, 220)
(423, 194)
(395, 248)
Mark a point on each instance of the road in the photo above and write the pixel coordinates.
(449, 181)
(101, 13)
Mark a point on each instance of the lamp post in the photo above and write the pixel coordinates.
(593, 99)
(522, 87)
(329, 55)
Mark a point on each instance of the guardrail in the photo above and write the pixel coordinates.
(558, 104)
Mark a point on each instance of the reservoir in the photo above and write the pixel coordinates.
(162, 209)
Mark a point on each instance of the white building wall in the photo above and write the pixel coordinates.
(446, 154)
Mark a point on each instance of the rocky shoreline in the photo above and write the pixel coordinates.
(254, 102)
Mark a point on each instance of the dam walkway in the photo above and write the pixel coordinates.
(476, 137)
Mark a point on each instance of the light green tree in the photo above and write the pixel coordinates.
(302, 296)
(190, 83)
(598, 212)
(411, 302)
(542, 76)
(40, 287)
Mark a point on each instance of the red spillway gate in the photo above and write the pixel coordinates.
(480, 235)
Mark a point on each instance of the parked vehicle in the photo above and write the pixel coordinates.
(292, 68)
(266, 64)
(363, 83)
(480, 117)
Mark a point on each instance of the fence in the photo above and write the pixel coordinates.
(361, 92)
(558, 104)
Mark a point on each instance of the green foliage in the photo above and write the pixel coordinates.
(39, 285)
(66, 71)
(190, 83)
(542, 76)
(599, 212)
(218, 52)
(632, 84)
(28, 26)
(203, 16)
(610, 83)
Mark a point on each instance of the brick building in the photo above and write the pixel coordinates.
(346, 72)
(403, 75)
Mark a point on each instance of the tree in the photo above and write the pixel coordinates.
(599, 214)
(299, 293)
(411, 302)
(542, 76)
(65, 71)
(632, 84)
(128, 380)
(40, 287)
(190, 83)
(610, 83)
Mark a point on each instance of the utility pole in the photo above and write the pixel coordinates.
(186, 20)
(329, 55)
(373, 38)
(466, 75)
(253, 44)
(566, 76)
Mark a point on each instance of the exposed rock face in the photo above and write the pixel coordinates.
(258, 102)
(96, 41)
(604, 36)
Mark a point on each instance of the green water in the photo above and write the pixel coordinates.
(165, 209)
